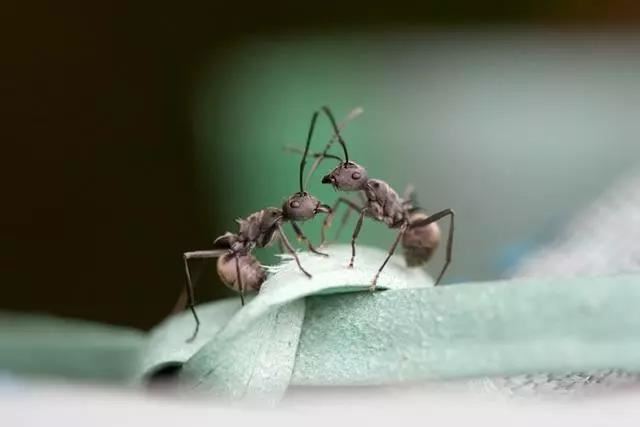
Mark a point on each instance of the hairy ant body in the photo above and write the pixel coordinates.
(237, 267)
(417, 231)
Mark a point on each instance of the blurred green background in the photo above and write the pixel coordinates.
(137, 131)
(514, 130)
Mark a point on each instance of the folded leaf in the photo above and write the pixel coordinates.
(253, 355)
(331, 331)
(471, 330)
(168, 344)
(39, 345)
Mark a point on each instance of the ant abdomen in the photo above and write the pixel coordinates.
(420, 242)
(251, 271)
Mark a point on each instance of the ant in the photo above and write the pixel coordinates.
(237, 268)
(419, 233)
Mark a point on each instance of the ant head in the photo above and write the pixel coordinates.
(303, 206)
(347, 176)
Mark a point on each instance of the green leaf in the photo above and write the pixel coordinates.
(331, 331)
(471, 330)
(168, 344)
(39, 345)
(253, 356)
(310, 332)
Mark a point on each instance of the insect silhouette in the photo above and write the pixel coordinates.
(418, 231)
(237, 268)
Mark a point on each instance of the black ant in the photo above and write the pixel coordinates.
(418, 231)
(237, 267)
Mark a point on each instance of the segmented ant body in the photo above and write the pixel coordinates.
(237, 267)
(417, 230)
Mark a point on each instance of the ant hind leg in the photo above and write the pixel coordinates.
(403, 229)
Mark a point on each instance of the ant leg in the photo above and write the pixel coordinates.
(449, 246)
(354, 236)
(403, 229)
(189, 284)
(347, 214)
(291, 250)
(343, 222)
(280, 246)
(304, 238)
(239, 276)
(433, 218)
(329, 218)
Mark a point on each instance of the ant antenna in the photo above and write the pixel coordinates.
(312, 155)
(303, 161)
(320, 156)
(329, 114)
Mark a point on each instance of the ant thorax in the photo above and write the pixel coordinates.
(384, 204)
(260, 227)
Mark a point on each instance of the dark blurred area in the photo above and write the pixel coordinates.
(100, 193)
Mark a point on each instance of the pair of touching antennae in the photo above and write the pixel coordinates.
(239, 269)
(319, 156)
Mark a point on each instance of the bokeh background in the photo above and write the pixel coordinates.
(137, 131)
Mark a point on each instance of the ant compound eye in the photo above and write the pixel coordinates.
(294, 204)
(356, 175)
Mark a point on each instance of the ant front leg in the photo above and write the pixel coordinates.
(343, 222)
(329, 218)
(304, 238)
(354, 236)
(347, 215)
(291, 250)
(433, 218)
(403, 229)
